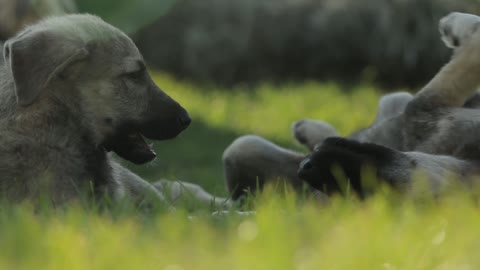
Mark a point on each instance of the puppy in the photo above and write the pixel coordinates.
(73, 89)
(438, 127)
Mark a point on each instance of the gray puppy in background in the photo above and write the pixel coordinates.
(434, 131)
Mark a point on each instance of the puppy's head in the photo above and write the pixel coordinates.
(319, 168)
(97, 72)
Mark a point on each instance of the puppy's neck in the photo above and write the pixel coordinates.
(54, 121)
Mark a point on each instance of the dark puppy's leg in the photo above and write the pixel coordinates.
(371, 151)
(350, 156)
(393, 167)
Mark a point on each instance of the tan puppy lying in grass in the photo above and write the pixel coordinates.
(74, 88)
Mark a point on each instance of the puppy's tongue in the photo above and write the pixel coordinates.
(132, 147)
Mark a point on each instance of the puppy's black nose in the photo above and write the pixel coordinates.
(185, 120)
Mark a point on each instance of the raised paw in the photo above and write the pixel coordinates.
(457, 28)
(312, 132)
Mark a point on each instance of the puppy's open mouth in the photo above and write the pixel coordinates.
(128, 140)
(131, 146)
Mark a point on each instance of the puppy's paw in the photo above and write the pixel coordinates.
(312, 132)
(457, 28)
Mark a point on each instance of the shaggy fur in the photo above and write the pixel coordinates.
(72, 89)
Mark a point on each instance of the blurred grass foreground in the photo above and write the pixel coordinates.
(381, 233)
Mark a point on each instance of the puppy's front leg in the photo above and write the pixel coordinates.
(180, 191)
(338, 166)
(133, 187)
(311, 132)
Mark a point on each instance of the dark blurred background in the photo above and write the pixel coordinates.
(394, 43)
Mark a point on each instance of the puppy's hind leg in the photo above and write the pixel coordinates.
(251, 161)
(457, 80)
(427, 114)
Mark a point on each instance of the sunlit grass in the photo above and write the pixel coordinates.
(269, 110)
(381, 233)
(385, 232)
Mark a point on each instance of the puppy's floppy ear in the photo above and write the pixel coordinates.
(35, 57)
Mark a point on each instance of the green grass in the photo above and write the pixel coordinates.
(378, 234)
(384, 232)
